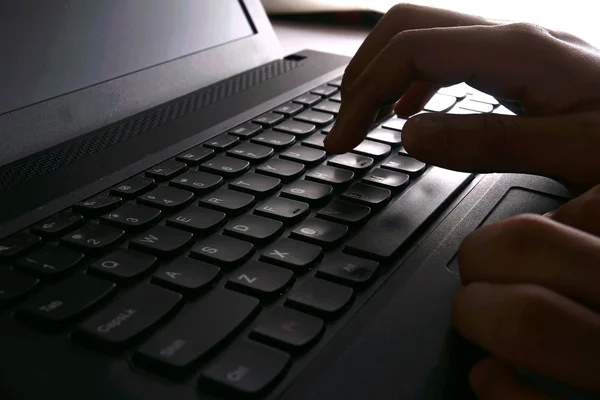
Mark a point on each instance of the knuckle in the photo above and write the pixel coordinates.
(404, 12)
(529, 32)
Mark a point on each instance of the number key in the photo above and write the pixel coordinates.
(58, 224)
(324, 90)
(246, 130)
(197, 181)
(166, 170)
(222, 142)
(167, 198)
(195, 155)
(226, 166)
(50, 260)
(132, 216)
(99, 205)
(133, 187)
(93, 237)
(268, 119)
(289, 109)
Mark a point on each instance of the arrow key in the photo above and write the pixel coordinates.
(187, 276)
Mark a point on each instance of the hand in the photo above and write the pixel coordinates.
(532, 299)
(554, 76)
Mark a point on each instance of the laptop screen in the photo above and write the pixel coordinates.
(60, 46)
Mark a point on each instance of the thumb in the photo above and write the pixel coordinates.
(560, 147)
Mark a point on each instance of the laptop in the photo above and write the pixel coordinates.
(171, 227)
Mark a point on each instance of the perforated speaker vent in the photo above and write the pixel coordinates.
(31, 167)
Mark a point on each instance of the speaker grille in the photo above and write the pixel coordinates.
(39, 164)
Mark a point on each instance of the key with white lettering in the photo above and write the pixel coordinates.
(353, 162)
(251, 152)
(320, 232)
(198, 220)
(222, 142)
(246, 130)
(58, 224)
(93, 237)
(228, 201)
(197, 181)
(284, 170)
(293, 254)
(295, 128)
(289, 109)
(304, 155)
(348, 270)
(253, 228)
(268, 119)
(261, 280)
(308, 192)
(98, 205)
(166, 170)
(320, 298)
(131, 315)
(256, 184)
(195, 155)
(50, 260)
(187, 276)
(167, 198)
(324, 90)
(208, 322)
(67, 300)
(14, 246)
(162, 240)
(314, 117)
(132, 217)
(276, 140)
(247, 369)
(387, 136)
(133, 187)
(225, 166)
(288, 329)
(123, 265)
(223, 250)
(285, 210)
(404, 164)
(329, 175)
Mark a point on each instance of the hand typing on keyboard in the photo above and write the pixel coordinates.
(531, 296)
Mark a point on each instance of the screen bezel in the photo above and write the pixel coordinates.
(48, 123)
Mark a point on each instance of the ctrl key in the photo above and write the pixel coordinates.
(130, 316)
(247, 369)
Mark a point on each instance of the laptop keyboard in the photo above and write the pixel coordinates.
(230, 261)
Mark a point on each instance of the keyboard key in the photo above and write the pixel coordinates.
(328, 106)
(130, 316)
(401, 220)
(228, 201)
(276, 140)
(123, 265)
(372, 149)
(321, 298)
(167, 198)
(336, 82)
(255, 229)
(324, 90)
(404, 164)
(167, 170)
(327, 129)
(307, 99)
(394, 181)
(205, 325)
(256, 184)
(285, 210)
(368, 195)
(195, 155)
(315, 141)
(162, 240)
(295, 128)
(440, 103)
(336, 97)
(261, 280)
(18, 244)
(348, 270)
(133, 217)
(288, 109)
(284, 170)
(187, 276)
(67, 300)
(93, 237)
(247, 369)
(353, 162)
(320, 232)
(393, 138)
(251, 152)
(223, 250)
(98, 205)
(503, 110)
(222, 142)
(197, 181)
(475, 106)
(269, 119)
(345, 212)
(304, 155)
(226, 166)
(328, 175)
(133, 187)
(50, 260)
(308, 192)
(14, 285)
(459, 91)
(288, 329)
(315, 117)
(197, 220)
(58, 224)
(292, 254)
(394, 124)
(246, 130)
(481, 97)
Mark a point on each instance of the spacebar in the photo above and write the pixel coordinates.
(385, 235)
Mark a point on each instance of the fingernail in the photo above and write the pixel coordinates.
(479, 376)
(550, 214)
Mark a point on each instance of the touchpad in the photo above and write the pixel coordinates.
(517, 201)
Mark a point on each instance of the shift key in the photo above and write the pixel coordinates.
(204, 326)
(130, 316)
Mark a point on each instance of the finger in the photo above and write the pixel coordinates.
(493, 380)
(532, 327)
(562, 147)
(415, 98)
(400, 18)
(533, 249)
(582, 212)
(483, 56)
